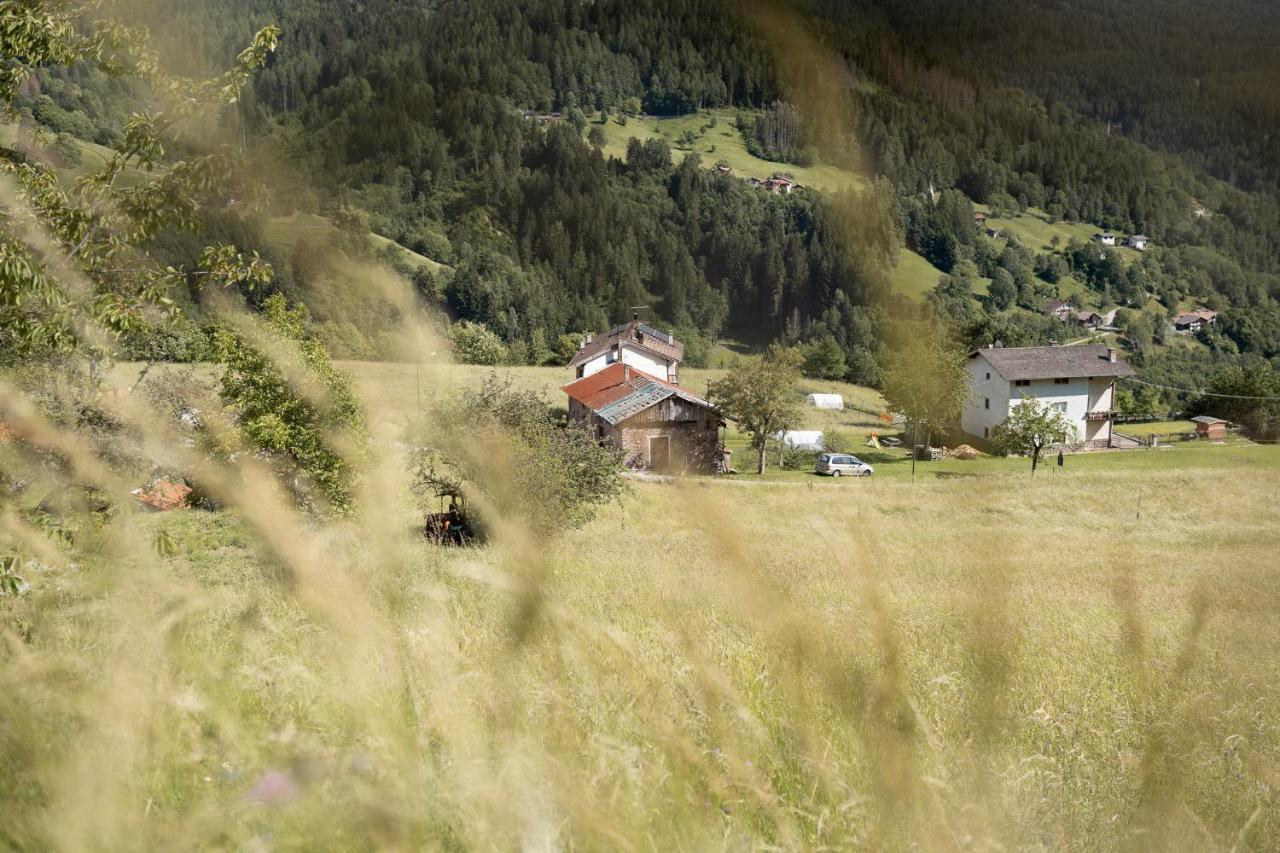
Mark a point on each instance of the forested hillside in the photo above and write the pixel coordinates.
(429, 123)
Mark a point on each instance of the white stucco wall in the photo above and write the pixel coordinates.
(638, 359)
(984, 384)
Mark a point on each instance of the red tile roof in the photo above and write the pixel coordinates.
(617, 383)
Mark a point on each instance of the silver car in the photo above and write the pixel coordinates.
(842, 465)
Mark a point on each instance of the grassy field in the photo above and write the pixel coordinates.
(985, 662)
(1034, 230)
(721, 142)
(914, 276)
(397, 394)
(285, 232)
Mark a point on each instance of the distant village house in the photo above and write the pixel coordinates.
(657, 426)
(1106, 238)
(780, 183)
(1088, 319)
(1059, 309)
(1193, 321)
(1138, 241)
(1076, 381)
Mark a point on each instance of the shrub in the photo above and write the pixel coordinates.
(838, 441)
(475, 344)
(566, 348)
(529, 464)
(823, 359)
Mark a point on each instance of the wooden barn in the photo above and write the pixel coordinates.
(657, 426)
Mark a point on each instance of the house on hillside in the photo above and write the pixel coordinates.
(1193, 321)
(1138, 241)
(1077, 381)
(1059, 309)
(1106, 238)
(724, 169)
(1088, 319)
(780, 184)
(657, 426)
(638, 344)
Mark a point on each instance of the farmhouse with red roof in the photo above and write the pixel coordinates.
(655, 424)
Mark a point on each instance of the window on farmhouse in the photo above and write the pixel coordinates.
(1022, 383)
(1061, 381)
(987, 401)
(1060, 407)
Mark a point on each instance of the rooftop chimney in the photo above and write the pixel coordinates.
(1111, 354)
(626, 373)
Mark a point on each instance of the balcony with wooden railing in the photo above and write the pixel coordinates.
(1099, 415)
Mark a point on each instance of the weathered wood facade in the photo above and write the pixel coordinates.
(656, 426)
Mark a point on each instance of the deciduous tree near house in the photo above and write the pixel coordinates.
(474, 343)
(1030, 428)
(761, 396)
(928, 385)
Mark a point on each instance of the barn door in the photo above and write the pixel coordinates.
(659, 452)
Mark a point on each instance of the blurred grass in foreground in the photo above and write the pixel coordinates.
(989, 662)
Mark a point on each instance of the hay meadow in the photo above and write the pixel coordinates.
(969, 661)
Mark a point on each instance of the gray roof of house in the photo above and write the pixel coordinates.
(1208, 419)
(1054, 362)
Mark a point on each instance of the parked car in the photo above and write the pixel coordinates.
(842, 465)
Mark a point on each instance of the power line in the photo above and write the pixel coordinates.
(1198, 393)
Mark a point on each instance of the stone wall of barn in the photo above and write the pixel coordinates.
(693, 444)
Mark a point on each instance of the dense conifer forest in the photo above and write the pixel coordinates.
(425, 123)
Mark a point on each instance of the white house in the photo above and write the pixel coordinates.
(1106, 238)
(645, 348)
(1139, 242)
(1078, 381)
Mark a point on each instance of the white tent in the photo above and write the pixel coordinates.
(827, 401)
(802, 439)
